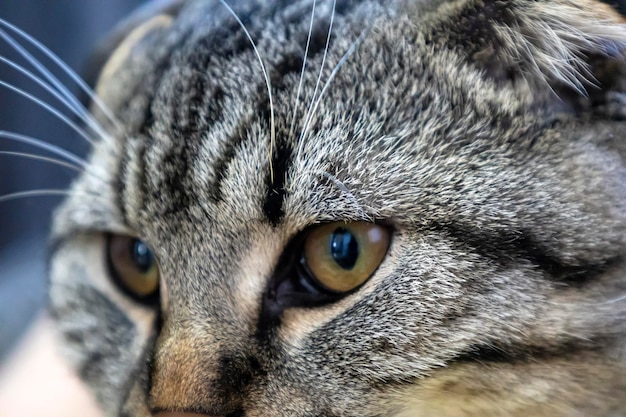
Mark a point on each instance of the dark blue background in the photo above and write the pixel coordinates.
(70, 28)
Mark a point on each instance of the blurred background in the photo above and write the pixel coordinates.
(71, 29)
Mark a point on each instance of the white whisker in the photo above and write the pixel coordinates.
(342, 187)
(47, 193)
(62, 65)
(82, 169)
(343, 59)
(37, 64)
(319, 77)
(267, 82)
(80, 111)
(38, 143)
(306, 54)
(50, 109)
(44, 158)
(601, 303)
(615, 300)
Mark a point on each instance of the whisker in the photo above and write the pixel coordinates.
(50, 109)
(306, 54)
(82, 169)
(38, 143)
(46, 193)
(342, 187)
(267, 83)
(615, 300)
(80, 112)
(62, 65)
(598, 304)
(319, 77)
(343, 59)
(44, 158)
(37, 64)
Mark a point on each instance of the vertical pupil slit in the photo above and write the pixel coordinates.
(344, 248)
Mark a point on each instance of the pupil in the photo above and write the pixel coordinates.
(344, 248)
(142, 255)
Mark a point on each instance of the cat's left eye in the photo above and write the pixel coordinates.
(133, 267)
(340, 257)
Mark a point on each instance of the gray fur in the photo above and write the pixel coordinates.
(488, 135)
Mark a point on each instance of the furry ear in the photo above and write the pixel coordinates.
(573, 48)
(111, 54)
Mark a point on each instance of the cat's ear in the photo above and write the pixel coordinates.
(573, 49)
(116, 48)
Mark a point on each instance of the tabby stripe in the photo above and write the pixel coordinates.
(289, 64)
(145, 132)
(282, 153)
(118, 325)
(93, 366)
(229, 43)
(119, 180)
(143, 89)
(150, 86)
(282, 157)
(504, 249)
(141, 372)
(473, 32)
(187, 128)
(520, 353)
(222, 164)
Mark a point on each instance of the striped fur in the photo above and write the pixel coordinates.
(487, 134)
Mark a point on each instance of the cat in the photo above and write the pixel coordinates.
(352, 208)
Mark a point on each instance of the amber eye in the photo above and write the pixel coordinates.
(133, 266)
(342, 256)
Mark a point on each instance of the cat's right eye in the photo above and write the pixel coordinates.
(133, 267)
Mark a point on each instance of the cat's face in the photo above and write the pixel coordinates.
(427, 219)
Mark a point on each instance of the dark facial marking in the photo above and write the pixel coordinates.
(275, 195)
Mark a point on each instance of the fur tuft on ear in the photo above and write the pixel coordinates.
(560, 41)
(575, 49)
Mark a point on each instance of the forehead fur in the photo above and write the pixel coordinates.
(431, 124)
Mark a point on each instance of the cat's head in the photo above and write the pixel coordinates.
(426, 219)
